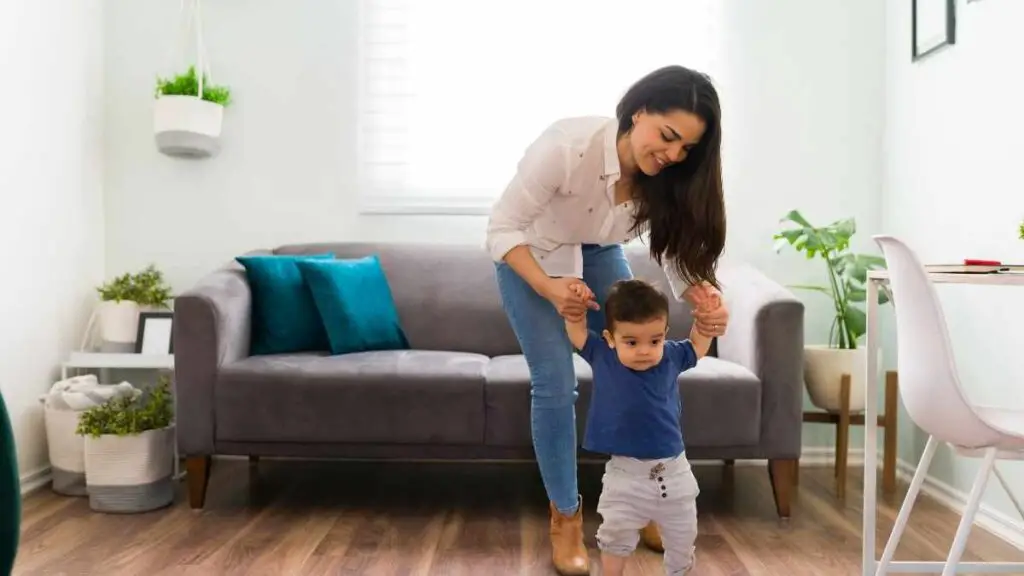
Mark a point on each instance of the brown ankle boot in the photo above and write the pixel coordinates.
(651, 537)
(568, 553)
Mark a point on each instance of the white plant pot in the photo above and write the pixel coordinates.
(119, 325)
(823, 372)
(130, 473)
(67, 452)
(187, 126)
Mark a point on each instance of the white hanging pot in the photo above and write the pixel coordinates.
(131, 473)
(187, 126)
(119, 325)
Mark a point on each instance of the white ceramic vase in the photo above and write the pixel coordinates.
(823, 372)
(131, 473)
(119, 325)
(187, 126)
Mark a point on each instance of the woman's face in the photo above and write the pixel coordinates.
(660, 140)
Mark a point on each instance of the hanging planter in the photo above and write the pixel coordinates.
(189, 111)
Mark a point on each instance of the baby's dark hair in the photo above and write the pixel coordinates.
(634, 301)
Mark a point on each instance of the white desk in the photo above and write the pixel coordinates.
(869, 560)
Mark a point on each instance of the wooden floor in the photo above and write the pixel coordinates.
(296, 518)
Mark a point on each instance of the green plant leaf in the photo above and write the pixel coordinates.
(856, 322)
(129, 415)
(187, 84)
(823, 289)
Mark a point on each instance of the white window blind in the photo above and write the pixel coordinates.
(453, 91)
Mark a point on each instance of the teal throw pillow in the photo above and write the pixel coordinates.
(284, 316)
(355, 304)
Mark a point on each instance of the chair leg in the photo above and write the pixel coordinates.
(967, 520)
(908, 505)
(1006, 486)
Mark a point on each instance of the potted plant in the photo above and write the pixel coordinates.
(846, 272)
(122, 298)
(129, 451)
(188, 115)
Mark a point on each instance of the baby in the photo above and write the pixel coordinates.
(634, 418)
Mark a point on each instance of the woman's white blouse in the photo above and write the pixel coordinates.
(563, 196)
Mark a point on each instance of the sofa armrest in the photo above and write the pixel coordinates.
(211, 328)
(766, 335)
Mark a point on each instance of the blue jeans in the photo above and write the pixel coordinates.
(549, 355)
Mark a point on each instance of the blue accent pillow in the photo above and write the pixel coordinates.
(284, 316)
(355, 304)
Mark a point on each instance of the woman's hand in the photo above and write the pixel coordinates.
(710, 314)
(570, 296)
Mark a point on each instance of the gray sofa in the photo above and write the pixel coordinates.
(463, 391)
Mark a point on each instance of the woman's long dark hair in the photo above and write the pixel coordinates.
(682, 206)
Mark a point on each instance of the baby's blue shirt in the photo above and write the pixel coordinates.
(635, 413)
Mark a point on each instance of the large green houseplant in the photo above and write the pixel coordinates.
(845, 286)
(129, 451)
(122, 298)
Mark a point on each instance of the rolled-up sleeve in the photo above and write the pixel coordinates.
(538, 177)
(675, 282)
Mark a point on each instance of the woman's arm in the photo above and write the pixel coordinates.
(539, 176)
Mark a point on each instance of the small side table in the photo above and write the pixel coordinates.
(843, 419)
(125, 361)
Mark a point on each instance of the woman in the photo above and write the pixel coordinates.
(585, 186)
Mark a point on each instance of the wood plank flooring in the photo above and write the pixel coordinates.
(287, 518)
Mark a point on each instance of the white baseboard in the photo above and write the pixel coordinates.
(34, 480)
(1002, 525)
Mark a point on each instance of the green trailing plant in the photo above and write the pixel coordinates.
(846, 271)
(130, 415)
(145, 288)
(1020, 230)
(187, 84)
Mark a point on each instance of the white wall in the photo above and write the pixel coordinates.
(803, 101)
(51, 223)
(954, 190)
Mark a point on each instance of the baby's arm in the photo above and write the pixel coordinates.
(577, 331)
(701, 343)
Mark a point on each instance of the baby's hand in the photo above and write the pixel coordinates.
(703, 297)
(581, 290)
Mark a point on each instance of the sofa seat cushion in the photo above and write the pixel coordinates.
(721, 403)
(385, 396)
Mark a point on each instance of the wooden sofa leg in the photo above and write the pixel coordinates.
(783, 477)
(198, 473)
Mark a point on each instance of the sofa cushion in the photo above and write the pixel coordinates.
(355, 304)
(721, 402)
(392, 396)
(284, 315)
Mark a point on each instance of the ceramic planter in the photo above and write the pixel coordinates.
(187, 126)
(823, 371)
(119, 324)
(125, 474)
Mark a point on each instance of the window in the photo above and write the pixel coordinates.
(453, 91)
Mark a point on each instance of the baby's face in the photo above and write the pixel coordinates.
(639, 346)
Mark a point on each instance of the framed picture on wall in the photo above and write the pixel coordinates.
(933, 24)
(155, 333)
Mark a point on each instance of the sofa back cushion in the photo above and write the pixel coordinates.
(447, 297)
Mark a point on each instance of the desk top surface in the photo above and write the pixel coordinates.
(989, 279)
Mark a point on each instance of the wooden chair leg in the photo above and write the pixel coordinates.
(890, 428)
(843, 436)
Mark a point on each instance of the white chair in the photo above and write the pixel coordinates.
(935, 401)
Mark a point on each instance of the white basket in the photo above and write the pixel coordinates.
(130, 473)
(67, 451)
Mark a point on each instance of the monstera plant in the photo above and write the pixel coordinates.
(844, 283)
